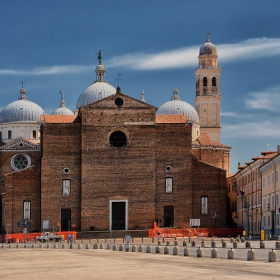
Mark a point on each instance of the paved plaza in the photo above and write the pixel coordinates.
(82, 263)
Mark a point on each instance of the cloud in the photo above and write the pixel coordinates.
(252, 130)
(52, 70)
(177, 58)
(268, 99)
(230, 114)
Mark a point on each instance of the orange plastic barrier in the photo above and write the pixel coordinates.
(23, 237)
(189, 232)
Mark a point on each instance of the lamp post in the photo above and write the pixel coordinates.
(272, 218)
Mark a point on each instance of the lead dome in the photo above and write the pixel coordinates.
(21, 110)
(178, 107)
(99, 89)
(62, 110)
(208, 48)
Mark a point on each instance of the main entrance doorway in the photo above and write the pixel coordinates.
(168, 216)
(118, 215)
(66, 219)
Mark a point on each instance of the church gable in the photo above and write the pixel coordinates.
(118, 109)
(20, 144)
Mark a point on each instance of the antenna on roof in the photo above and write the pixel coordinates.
(118, 79)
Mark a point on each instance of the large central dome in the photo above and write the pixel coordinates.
(21, 110)
(98, 90)
(178, 107)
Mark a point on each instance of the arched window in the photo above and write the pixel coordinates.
(214, 81)
(205, 81)
(204, 205)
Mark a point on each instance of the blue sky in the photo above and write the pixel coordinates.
(52, 46)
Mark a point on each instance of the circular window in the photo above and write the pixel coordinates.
(118, 139)
(20, 162)
(119, 101)
(66, 170)
(168, 168)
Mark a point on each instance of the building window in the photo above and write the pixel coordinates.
(34, 134)
(214, 82)
(9, 134)
(168, 185)
(204, 205)
(118, 139)
(268, 180)
(277, 199)
(276, 176)
(263, 206)
(20, 161)
(272, 200)
(66, 187)
(205, 81)
(263, 182)
(277, 220)
(272, 178)
(268, 220)
(26, 210)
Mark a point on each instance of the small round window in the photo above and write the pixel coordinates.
(66, 170)
(118, 139)
(20, 162)
(119, 101)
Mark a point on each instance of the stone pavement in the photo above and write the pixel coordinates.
(47, 263)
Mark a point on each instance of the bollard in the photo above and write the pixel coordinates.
(62, 247)
(193, 243)
(203, 243)
(149, 249)
(248, 244)
(277, 245)
(101, 246)
(272, 256)
(79, 246)
(166, 250)
(234, 244)
(108, 246)
(231, 254)
(95, 246)
(158, 249)
(18, 245)
(71, 246)
(184, 243)
(186, 251)
(175, 243)
(242, 239)
(262, 245)
(25, 245)
(175, 250)
(159, 242)
(121, 247)
(126, 247)
(222, 240)
(10, 245)
(167, 243)
(54, 246)
(213, 244)
(40, 246)
(140, 249)
(214, 253)
(231, 240)
(224, 244)
(114, 247)
(237, 239)
(199, 253)
(87, 246)
(163, 240)
(251, 255)
(133, 248)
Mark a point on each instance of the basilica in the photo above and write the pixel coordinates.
(116, 162)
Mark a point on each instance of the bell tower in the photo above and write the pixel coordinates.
(208, 98)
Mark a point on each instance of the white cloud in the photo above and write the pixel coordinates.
(268, 99)
(65, 69)
(252, 130)
(177, 58)
(230, 114)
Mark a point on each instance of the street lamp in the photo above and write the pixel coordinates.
(272, 216)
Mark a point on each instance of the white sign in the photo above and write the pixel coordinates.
(195, 222)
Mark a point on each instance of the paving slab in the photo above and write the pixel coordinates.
(47, 263)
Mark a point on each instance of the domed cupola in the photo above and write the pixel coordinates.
(178, 107)
(21, 110)
(62, 110)
(99, 89)
(208, 48)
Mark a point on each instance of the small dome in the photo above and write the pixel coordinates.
(62, 110)
(99, 89)
(21, 110)
(178, 107)
(208, 48)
